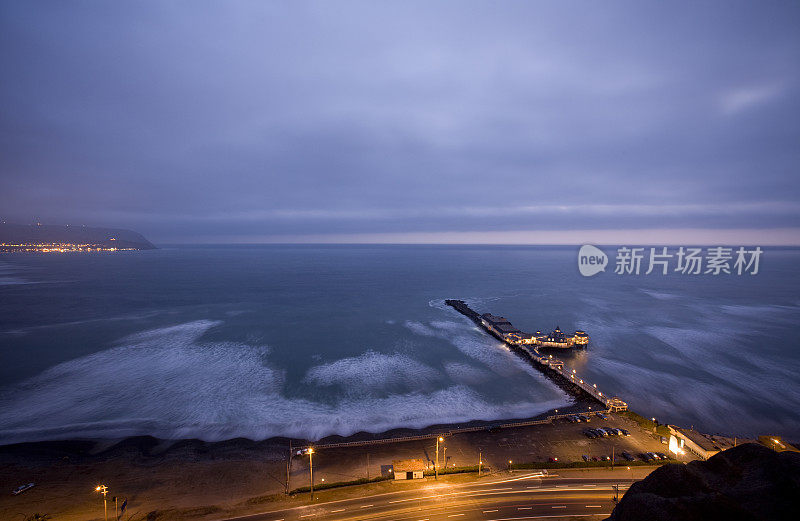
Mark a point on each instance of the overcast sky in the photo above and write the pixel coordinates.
(402, 121)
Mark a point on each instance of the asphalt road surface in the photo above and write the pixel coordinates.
(522, 497)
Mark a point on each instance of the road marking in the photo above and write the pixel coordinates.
(339, 510)
(546, 517)
(465, 492)
(487, 511)
(307, 515)
(455, 515)
(560, 506)
(524, 508)
(366, 506)
(594, 506)
(590, 485)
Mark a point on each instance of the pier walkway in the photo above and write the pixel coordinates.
(565, 377)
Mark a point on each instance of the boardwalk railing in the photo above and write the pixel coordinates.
(450, 432)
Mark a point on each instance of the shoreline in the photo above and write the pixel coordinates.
(148, 445)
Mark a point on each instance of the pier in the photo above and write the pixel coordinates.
(566, 378)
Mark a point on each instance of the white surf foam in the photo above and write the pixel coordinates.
(169, 383)
(372, 372)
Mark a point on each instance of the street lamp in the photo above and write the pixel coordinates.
(509, 464)
(310, 452)
(436, 465)
(103, 490)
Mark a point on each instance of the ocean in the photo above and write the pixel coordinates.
(217, 342)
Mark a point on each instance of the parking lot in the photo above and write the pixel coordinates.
(561, 440)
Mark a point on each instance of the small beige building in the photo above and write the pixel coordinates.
(408, 469)
(700, 444)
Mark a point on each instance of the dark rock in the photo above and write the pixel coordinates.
(749, 482)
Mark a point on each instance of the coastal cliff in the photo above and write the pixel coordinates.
(46, 233)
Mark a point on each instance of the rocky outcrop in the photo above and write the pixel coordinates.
(749, 482)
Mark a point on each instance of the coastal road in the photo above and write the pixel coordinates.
(522, 497)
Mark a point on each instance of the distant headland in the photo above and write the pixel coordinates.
(67, 238)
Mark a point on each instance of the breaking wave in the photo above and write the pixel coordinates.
(373, 371)
(171, 384)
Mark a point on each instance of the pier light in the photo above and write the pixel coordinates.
(581, 381)
(595, 386)
(573, 371)
(601, 394)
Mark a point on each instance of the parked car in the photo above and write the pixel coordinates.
(625, 432)
(664, 440)
(553, 459)
(647, 457)
(583, 417)
(590, 434)
(585, 457)
(595, 458)
(601, 415)
(662, 455)
(628, 456)
(605, 458)
(22, 488)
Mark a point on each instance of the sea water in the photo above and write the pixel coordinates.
(217, 342)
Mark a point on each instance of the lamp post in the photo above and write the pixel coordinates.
(310, 452)
(103, 490)
(436, 465)
(480, 462)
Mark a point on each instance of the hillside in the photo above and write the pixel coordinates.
(46, 233)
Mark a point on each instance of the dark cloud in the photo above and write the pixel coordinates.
(186, 120)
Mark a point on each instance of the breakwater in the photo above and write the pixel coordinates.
(564, 377)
